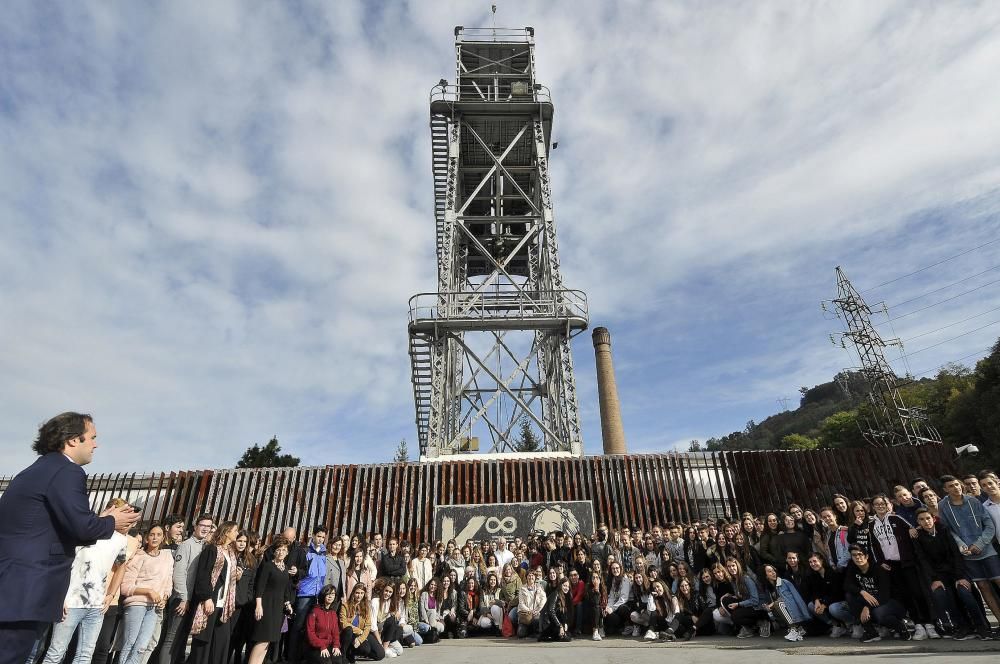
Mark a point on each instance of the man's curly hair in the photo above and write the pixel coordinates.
(52, 435)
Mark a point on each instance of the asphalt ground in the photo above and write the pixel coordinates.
(708, 650)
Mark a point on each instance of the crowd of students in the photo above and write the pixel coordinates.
(918, 564)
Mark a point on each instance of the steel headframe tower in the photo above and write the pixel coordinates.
(491, 348)
(894, 423)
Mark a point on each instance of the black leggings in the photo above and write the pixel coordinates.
(390, 630)
(593, 617)
(887, 614)
(615, 621)
(370, 647)
(551, 633)
(744, 616)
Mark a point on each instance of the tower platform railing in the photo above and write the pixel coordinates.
(501, 35)
(513, 91)
(487, 310)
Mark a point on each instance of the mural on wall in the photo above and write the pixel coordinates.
(480, 522)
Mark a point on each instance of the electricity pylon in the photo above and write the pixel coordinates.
(892, 422)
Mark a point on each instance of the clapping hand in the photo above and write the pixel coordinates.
(125, 517)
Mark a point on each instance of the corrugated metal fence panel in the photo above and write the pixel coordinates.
(636, 490)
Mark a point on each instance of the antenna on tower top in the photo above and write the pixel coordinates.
(493, 8)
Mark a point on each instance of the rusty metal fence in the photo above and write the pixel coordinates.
(633, 490)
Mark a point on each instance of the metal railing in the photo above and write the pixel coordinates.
(518, 35)
(508, 92)
(507, 305)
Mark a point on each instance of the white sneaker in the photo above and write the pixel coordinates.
(931, 632)
(650, 635)
(837, 632)
(857, 632)
(793, 635)
(919, 633)
(391, 653)
(596, 636)
(603, 633)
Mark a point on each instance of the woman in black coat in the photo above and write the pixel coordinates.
(214, 597)
(273, 592)
(553, 623)
(246, 571)
(791, 538)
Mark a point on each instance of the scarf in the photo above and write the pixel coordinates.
(223, 556)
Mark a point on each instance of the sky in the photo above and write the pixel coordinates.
(212, 215)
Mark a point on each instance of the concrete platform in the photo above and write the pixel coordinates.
(721, 650)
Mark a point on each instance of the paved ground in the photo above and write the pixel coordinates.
(725, 650)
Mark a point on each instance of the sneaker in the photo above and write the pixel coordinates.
(596, 636)
(871, 637)
(919, 633)
(905, 635)
(857, 632)
(602, 633)
(628, 631)
(764, 628)
(745, 633)
(984, 633)
(837, 632)
(931, 632)
(801, 630)
(962, 634)
(390, 653)
(667, 635)
(650, 635)
(793, 635)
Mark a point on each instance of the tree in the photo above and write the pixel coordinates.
(796, 441)
(694, 446)
(267, 457)
(527, 440)
(841, 430)
(402, 454)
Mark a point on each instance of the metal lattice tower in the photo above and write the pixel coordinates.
(491, 348)
(893, 422)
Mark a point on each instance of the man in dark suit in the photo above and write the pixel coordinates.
(44, 516)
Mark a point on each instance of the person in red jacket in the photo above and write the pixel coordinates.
(577, 589)
(323, 630)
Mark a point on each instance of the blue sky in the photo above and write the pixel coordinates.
(213, 215)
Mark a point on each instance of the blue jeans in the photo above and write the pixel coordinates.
(297, 628)
(825, 616)
(138, 630)
(841, 612)
(89, 621)
(949, 612)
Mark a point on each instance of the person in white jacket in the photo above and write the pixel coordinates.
(616, 613)
(530, 602)
(422, 567)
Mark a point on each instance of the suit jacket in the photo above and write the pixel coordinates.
(44, 516)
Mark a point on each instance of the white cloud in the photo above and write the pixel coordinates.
(213, 218)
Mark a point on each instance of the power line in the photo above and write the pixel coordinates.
(940, 262)
(964, 334)
(942, 366)
(945, 327)
(949, 299)
(938, 290)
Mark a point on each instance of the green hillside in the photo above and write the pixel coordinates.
(963, 403)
